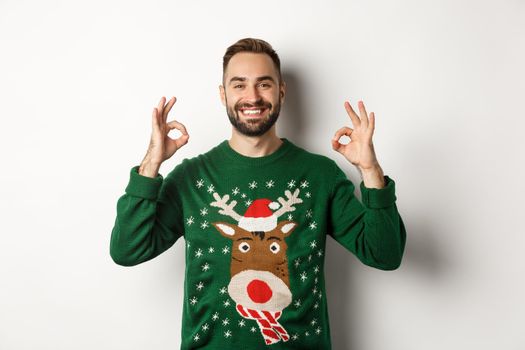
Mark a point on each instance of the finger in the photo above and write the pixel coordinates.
(176, 125)
(155, 121)
(372, 124)
(353, 116)
(160, 106)
(170, 104)
(362, 111)
(345, 130)
(336, 145)
(181, 141)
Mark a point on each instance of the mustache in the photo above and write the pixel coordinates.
(258, 103)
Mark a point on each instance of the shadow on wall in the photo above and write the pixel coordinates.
(292, 124)
(421, 253)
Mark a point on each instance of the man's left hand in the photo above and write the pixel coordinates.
(360, 150)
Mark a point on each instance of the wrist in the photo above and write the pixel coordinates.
(373, 177)
(149, 169)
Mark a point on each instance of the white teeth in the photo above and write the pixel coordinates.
(251, 111)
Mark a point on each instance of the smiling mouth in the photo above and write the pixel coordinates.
(253, 112)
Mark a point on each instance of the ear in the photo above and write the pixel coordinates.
(286, 227)
(282, 91)
(222, 94)
(226, 229)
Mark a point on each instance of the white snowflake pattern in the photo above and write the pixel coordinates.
(307, 333)
(310, 257)
(190, 220)
(225, 250)
(211, 250)
(226, 303)
(226, 321)
(215, 316)
(309, 213)
(320, 253)
(248, 202)
(316, 305)
(318, 330)
(303, 276)
(223, 290)
(313, 322)
(204, 224)
(297, 303)
(295, 336)
(252, 185)
(235, 191)
(242, 323)
(312, 225)
(205, 267)
(211, 188)
(270, 184)
(313, 244)
(291, 184)
(198, 253)
(243, 195)
(204, 211)
(200, 183)
(316, 279)
(290, 217)
(199, 286)
(314, 291)
(227, 334)
(193, 300)
(253, 329)
(316, 270)
(320, 295)
(308, 195)
(297, 262)
(205, 327)
(196, 337)
(304, 184)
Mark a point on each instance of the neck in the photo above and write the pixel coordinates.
(255, 146)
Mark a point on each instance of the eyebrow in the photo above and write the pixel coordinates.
(264, 77)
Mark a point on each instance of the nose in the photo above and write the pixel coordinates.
(259, 291)
(252, 94)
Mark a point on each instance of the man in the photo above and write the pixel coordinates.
(255, 211)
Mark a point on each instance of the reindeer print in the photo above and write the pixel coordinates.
(259, 282)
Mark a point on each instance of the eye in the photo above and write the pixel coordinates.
(265, 85)
(244, 247)
(275, 247)
(237, 86)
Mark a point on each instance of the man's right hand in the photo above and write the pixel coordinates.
(161, 146)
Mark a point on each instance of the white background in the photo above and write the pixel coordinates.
(446, 80)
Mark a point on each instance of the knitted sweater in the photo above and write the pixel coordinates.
(255, 230)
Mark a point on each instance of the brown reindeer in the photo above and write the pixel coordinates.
(259, 282)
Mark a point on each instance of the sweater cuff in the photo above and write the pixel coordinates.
(143, 186)
(377, 198)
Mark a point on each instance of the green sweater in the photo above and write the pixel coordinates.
(255, 230)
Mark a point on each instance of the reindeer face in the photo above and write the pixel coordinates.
(259, 266)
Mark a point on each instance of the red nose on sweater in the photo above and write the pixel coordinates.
(259, 291)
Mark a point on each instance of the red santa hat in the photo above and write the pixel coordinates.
(259, 216)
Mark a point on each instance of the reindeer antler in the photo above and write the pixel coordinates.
(226, 209)
(287, 205)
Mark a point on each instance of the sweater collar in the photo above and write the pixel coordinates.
(240, 159)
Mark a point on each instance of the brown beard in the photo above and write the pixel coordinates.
(262, 125)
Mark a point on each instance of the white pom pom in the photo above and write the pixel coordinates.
(274, 205)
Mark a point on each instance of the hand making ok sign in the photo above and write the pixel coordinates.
(360, 150)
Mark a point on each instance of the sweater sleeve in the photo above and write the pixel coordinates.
(149, 219)
(372, 230)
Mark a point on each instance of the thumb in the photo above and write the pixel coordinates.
(336, 145)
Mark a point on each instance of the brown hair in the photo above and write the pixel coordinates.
(251, 45)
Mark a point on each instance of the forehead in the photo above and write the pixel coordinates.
(250, 65)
